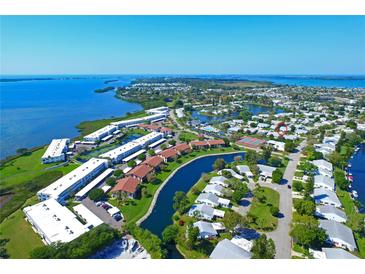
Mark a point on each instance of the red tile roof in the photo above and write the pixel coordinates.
(140, 171)
(168, 153)
(150, 127)
(199, 143)
(181, 147)
(216, 142)
(153, 161)
(127, 184)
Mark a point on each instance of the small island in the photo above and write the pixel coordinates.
(102, 90)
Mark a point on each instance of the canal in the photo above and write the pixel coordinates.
(183, 180)
(358, 172)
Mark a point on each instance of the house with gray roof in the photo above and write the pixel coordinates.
(219, 180)
(203, 211)
(338, 234)
(337, 253)
(214, 189)
(324, 182)
(266, 171)
(326, 197)
(233, 173)
(206, 230)
(330, 212)
(324, 167)
(212, 200)
(244, 169)
(225, 249)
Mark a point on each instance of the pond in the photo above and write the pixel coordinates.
(254, 109)
(183, 180)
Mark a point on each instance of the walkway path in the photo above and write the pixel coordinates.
(281, 234)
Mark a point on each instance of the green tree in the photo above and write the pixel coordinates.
(274, 210)
(252, 157)
(289, 146)
(118, 173)
(192, 237)
(151, 152)
(23, 151)
(96, 194)
(219, 164)
(111, 181)
(306, 232)
(170, 233)
(263, 248)
(298, 186)
(172, 142)
(132, 163)
(277, 175)
(232, 219)
(141, 157)
(180, 202)
(266, 152)
(304, 207)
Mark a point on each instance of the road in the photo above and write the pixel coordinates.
(102, 214)
(281, 235)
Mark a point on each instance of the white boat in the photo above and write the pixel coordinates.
(124, 244)
(349, 165)
(354, 193)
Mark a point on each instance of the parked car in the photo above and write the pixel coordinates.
(289, 186)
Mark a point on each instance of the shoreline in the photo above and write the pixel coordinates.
(157, 193)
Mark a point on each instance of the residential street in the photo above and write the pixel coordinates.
(281, 234)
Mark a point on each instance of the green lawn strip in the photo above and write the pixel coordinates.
(22, 238)
(350, 209)
(261, 211)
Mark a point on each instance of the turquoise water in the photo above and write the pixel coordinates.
(34, 112)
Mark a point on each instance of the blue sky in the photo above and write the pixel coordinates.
(183, 44)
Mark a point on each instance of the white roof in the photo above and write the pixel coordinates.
(324, 181)
(90, 218)
(55, 221)
(138, 120)
(94, 183)
(244, 169)
(105, 130)
(323, 164)
(225, 249)
(266, 169)
(322, 195)
(58, 187)
(56, 148)
(138, 143)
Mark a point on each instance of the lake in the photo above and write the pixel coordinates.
(183, 180)
(358, 173)
(35, 112)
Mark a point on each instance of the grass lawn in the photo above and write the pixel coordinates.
(137, 208)
(350, 209)
(22, 238)
(187, 136)
(261, 211)
(25, 168)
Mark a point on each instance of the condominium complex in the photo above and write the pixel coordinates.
(118, 154)
(100, 133)
(73, 181)
(133, 122)
(54, 222)
(56, 151)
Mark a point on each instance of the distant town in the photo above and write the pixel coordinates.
(211, 168)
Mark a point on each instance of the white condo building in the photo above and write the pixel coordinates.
(100, 133)
(118, 154)
(133, 122)
(54, 222)
(56, 151)
(73, 181)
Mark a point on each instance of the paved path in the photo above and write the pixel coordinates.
(102, 214)
(281, 234)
